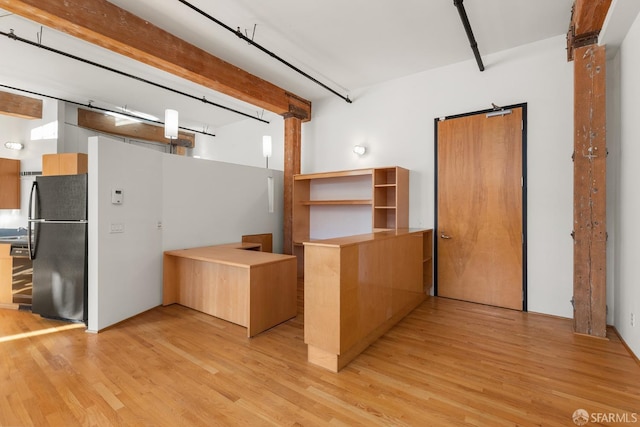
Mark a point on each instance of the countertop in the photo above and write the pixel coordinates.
(238, 254)
(361, 238)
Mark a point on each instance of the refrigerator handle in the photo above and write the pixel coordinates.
(31, 224)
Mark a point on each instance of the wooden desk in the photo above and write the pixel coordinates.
(356, 288)
(234, 282)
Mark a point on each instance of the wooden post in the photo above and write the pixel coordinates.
(590, 157)
(292, 145)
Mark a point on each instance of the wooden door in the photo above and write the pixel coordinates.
(480, 209)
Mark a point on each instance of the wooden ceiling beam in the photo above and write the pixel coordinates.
(587, 18)
(130, 128)
(106, 25)
(21, 106)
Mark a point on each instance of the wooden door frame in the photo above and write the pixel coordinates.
(524, 194)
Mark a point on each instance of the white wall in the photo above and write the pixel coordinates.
(395, 121)
(207, 202)
(627, 207)
(241, 143)
(169, 202)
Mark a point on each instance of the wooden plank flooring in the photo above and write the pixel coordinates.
(448, 363)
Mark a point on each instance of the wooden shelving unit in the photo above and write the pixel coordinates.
(387, 192)
(384, 190)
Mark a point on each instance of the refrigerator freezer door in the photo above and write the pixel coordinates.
(60, 272)
(61, 198)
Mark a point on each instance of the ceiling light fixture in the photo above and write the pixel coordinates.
(170, 124)
(14, 145)
(267, 148)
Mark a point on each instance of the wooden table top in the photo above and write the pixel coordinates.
(238, 254)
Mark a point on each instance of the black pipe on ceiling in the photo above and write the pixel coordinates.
(13, 36)
(467, 28)
(238, 33)
(104, 110)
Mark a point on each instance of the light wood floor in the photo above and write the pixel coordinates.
(447, 363)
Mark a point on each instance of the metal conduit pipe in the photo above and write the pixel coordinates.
(104, 110)
(263, 49)
(467, 28)
(15, 37)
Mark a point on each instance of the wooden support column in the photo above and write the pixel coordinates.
(292, 150)
(590, 156)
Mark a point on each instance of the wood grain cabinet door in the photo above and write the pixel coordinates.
(479, 236)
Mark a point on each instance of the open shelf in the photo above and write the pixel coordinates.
(338, 174)
(345, 203)
(335, 202)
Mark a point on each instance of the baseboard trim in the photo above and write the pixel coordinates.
(633, 355)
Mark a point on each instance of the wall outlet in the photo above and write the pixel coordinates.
(633, 319)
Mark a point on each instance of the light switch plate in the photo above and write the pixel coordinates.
(117, 195)
(116, 227)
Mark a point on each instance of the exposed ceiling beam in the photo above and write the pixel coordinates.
(587, 18)
(106, 25)
(20, 106)
(130, 129)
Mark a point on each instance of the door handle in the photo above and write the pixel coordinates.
(31, 244)
(444, 236)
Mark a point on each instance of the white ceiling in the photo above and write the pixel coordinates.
(347, 45)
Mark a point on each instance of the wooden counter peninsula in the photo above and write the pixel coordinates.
(235, 282)
(357, 287)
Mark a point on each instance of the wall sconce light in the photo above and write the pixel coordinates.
(266, 148)
(359, 149)
(14, 145)
(170, 126)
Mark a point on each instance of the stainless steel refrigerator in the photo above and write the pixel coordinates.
(57, 236)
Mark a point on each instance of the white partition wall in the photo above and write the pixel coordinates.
(125, 246)
(168, 202)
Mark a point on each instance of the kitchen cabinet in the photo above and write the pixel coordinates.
(10, 184)
(64, 164)
(6, 264)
